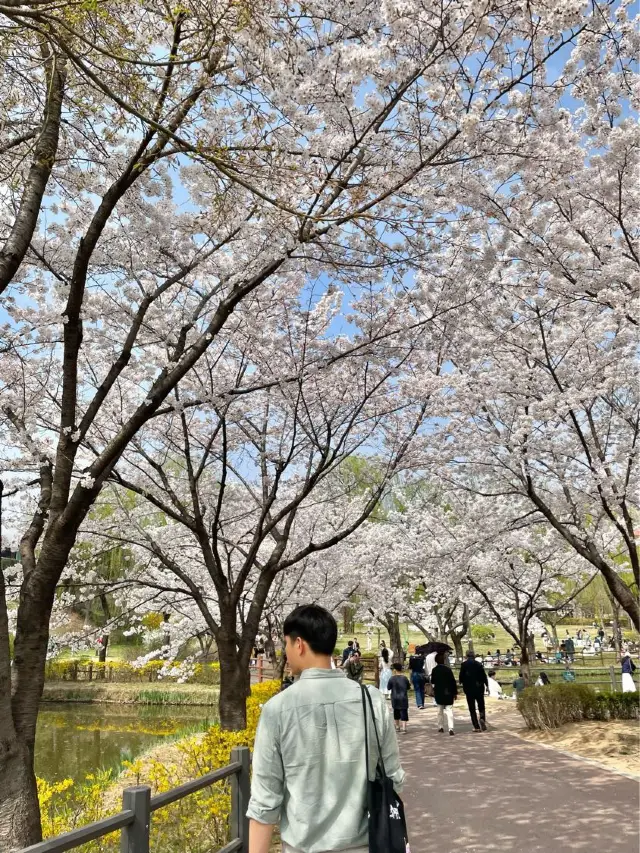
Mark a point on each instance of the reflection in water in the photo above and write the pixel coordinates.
(75, 739)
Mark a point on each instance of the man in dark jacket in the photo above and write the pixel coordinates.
(418, 677)
(354, 668)
(473, 679)
(445, 692)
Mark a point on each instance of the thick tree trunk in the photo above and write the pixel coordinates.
(621, 593)
(19, 809)
(234, 689)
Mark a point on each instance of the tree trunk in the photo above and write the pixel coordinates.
(234, 689)
(524, 663)
(20, 812)
(456, 639)
(395, 640)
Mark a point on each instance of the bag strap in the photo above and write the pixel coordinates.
(366, 693)
(366, 737)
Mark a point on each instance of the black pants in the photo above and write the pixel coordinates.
(472, 699)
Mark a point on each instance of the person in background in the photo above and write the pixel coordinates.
(542, 680)
(356, 645)
(305, 750)
(568, 675)
(508, 657)
(628, 668)
(418, 677)
(384, 663)
(346, 653)
(570, 648)
(354, 668)
(399, 686)
(445, 692)
(558, 655)
(493, 687)
(474, 680)
(519, 684)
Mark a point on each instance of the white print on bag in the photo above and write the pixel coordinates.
(394, 813)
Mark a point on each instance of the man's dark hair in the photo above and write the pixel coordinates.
(350, 643)
(440, 657)
(313, 624)
(492, 672)
(397, 667)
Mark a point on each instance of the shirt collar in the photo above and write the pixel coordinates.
(315, 672)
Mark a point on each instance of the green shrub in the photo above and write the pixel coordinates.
(617, 706)
(483, 633)
(553, 706)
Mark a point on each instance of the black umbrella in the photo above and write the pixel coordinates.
(434, 646)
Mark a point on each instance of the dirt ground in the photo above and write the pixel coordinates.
(615, 743)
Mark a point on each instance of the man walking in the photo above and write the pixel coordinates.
(474, 680)
(418, 677)
(309, 768)
(354, 668)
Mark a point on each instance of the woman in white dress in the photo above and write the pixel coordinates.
(385, 661)
(628, 668)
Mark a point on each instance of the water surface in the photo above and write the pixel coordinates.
(74, 739)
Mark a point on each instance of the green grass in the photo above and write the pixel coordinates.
(501, 641)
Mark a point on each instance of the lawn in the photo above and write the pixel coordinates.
(501, 641)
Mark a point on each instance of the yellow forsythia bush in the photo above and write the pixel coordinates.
(117, 671)
(195, 824)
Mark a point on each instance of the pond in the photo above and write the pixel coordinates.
(74, 739)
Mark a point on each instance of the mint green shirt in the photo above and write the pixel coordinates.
(309, 764)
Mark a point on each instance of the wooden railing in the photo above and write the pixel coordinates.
(134, 821)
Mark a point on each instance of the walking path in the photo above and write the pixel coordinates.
(489, 792)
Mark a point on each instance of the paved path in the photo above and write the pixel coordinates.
(478, 793)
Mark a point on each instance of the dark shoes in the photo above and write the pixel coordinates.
(440, 731)
(483, 725)
(451, 732)
(477, 730)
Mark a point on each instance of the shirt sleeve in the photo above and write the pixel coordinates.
(267, 781)
(390, 753)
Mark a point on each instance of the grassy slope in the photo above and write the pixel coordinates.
(163, 694)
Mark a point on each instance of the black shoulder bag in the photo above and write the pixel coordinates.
(387, 824)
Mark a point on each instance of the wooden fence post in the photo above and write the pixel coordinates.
(612, 675)
(135, 838)
(240, 793)
(260, 669)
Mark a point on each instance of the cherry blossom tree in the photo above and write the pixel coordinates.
(252, 488)
(542, 400)
(165, 174)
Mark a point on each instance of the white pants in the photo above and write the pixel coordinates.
(628, 684)
(448, 711)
